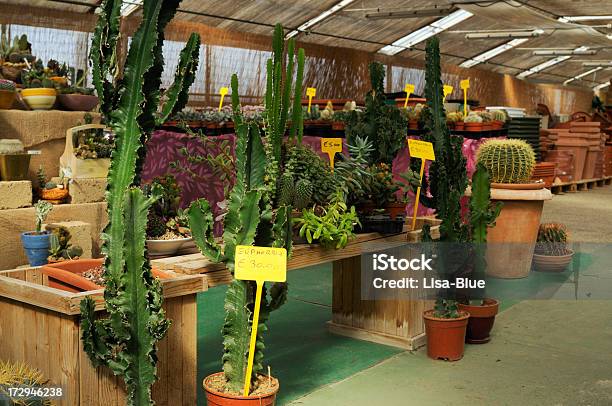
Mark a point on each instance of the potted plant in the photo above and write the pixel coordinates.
(16, 56)
(258, 171)
(7, 93)
(499, 118)
(125, 338)
(39, 89)
(167, 224)
(52, 192)
(487, 119)
(60, 248)
(445, 327)
(14, 161)
(77, 98)
(473, 122)
(510, 164)
(36, 243)
(551, 252)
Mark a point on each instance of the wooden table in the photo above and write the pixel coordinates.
(391, 322)
(40, 326)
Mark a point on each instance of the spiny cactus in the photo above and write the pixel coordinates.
(254, 216)
(13, 375)
(508, 161)
(126, 340)
(6, 84)
(498, 115)
(286, 187)
(473, 118)
(303, 194)
(552, 239)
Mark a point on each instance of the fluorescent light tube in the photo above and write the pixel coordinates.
(542, 66)
(582, 75)
(433, 12)
(595, 63)
(428, 31)
(128, 7)
(485, 56)
(552, 52)
(602, 86)
(569, 19)
(337, 7)
(504, 34)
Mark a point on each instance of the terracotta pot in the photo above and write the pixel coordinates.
(481, 320)
(487, 126)
(472, 126)
(78, 102)
(459, 126)
(66, 275)
(589, 165)
(214, 398)
(413, 125)
(579, 147)
(497, 125)
(552, 263)
(512, 239)
(338, 125)
(396, 209)
(445, 337)
(7, 97)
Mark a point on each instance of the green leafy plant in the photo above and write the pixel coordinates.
(552, 240)
(446, 309)
(254, 215)
(508, 161)
(42, 208)
(332, 228)
(303, 163)
(125, 341)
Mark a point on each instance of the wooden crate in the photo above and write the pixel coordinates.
(39, 325)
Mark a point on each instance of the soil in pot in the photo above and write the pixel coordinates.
(263, 395)
(445, 337)
(480, 323)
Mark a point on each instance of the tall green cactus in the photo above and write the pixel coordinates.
(126, 340)
(447, 174)
(255, 214)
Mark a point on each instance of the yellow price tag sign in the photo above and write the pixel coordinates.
(423, 150)
(447, 89)
(258, 264)
(310, 92)
(465, 85)
(223, 91)
(409, 89)
(330, 146)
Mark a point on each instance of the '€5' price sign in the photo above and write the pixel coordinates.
(259, 264)
(330, 146)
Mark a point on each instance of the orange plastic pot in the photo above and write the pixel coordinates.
(396, 209)
(445, 337)
(469, 126)
(413, 125)
(482, 318)
(214, 398)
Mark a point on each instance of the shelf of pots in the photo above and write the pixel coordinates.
(512, 240)
(117, 345)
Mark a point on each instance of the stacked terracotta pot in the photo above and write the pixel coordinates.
(591, 132)
(578, 144)
(564, 161)
(545, 172)
(607, 162)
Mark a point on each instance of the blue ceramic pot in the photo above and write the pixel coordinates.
(36, 247)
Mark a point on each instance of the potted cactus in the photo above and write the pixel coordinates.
(126, 340)
(498, 119)
(7, 93)
(255, 216)
(551, 252)
(39, 89)
(14, 161)
(60, 248)
(472, 122)
(510, 164)
(36, 243)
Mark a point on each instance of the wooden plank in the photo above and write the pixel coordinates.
(175, 357)
(189, 349)
(37, 295)
(170, 262)
(412, 343)
(68, 358)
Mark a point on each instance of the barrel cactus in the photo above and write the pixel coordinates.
(7, 85)
(508, 161)
(552, 239)
(126, 340)
(15, 375)
(499, 115)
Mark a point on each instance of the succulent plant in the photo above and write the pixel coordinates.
(6, 84)
(472, 118)
(552, 240)
(303, 163)
(42, 210)
(18, 375)
(50, 185)
(507, 161)
(156, 225)
(303, 194)
(485, 115)
(499, 115)
(286, 190)
(59, 243)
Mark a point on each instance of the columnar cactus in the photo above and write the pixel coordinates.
(126, 340)
(256, 214)
(508, 161)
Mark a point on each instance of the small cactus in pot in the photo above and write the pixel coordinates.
(551, 251)
(473, 122)
(507, 161)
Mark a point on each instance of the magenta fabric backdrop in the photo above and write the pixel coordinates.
(164, 148)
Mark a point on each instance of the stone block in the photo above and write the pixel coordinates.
(80, 232)
(86, 190)
(15, 194)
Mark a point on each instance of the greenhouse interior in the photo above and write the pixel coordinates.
(324, 202)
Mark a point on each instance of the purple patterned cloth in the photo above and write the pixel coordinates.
(164, 147)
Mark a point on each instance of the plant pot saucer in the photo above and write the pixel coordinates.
(477, 341)
(518, 186)
(166, 247)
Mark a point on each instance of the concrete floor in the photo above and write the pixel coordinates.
(544, 352)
